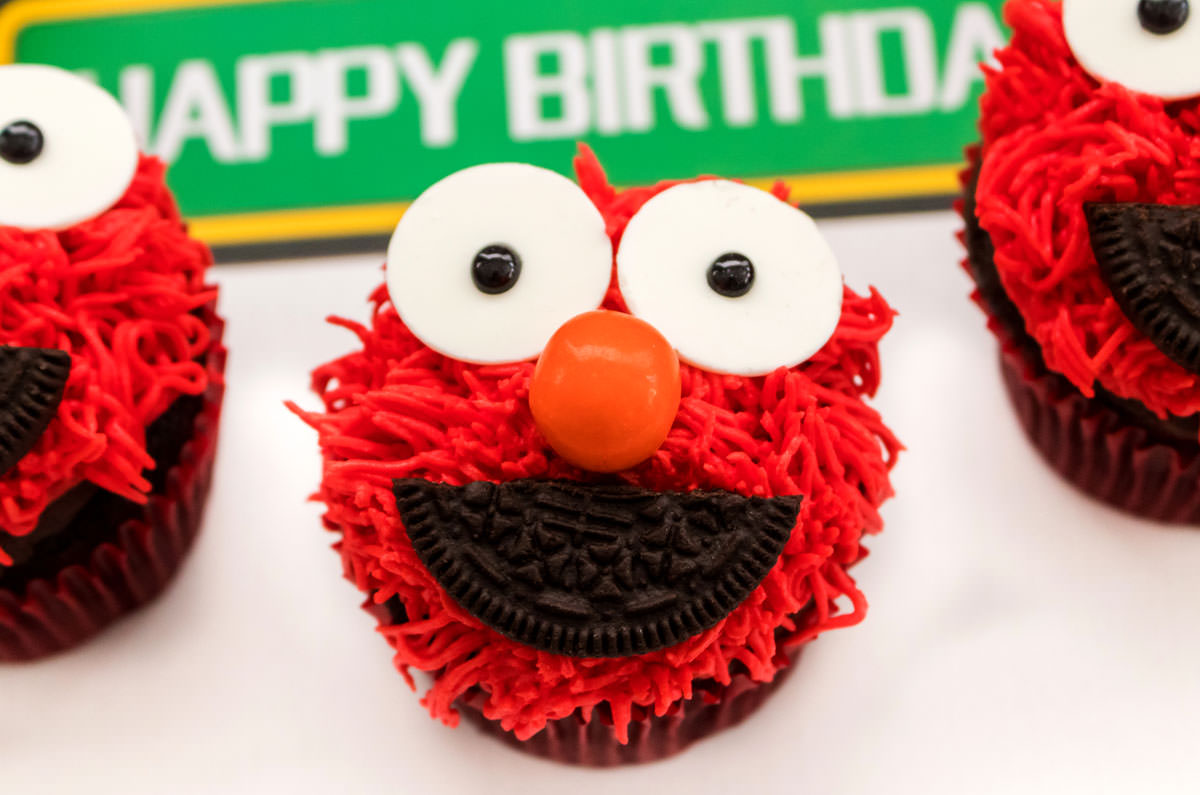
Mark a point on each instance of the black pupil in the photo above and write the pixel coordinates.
(21, 142)
(731, 275)
(1163, 16)
(495, 269)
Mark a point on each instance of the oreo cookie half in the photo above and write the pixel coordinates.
(1149, 256)
(594, 570)
(32, 381)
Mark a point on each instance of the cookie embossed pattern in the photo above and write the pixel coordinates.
(604, 502)
(111, 367)
(1083, 235)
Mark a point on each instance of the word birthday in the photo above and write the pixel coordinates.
(565, 85)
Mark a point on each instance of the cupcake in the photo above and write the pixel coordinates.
(601, 460)
(110, 367)
(1083, 238)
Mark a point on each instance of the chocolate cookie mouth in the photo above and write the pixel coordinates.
(594, 570)
(32, 381)
(1149, 256)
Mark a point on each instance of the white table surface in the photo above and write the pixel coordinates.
(1021, 638)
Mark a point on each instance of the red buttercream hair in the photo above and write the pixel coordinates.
(117, 292)
(397, 409)
(1054, 138)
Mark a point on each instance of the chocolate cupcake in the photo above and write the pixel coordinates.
(601, 461)
(1083, 234)
(110, 367)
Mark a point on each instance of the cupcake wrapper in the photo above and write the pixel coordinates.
(1097, 449)
(651, 737)
(54, 614)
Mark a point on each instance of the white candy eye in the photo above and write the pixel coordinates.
(738, 281)
(67, 149)
(1151, 46)
(487, 263)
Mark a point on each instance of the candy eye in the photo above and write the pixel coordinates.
(1151, 46)
(490, 261)
(738, 281)
(67, 150)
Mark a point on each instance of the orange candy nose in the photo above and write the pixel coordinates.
(605, 390)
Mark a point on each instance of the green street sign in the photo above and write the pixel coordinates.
(302, 120)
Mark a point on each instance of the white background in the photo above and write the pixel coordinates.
(1021, 638)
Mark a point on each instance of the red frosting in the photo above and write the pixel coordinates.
(117, 292)
(1054, 138)
(396, 409)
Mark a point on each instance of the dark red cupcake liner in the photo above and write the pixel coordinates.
(1097, 449)
(54, 614)
(593, 742)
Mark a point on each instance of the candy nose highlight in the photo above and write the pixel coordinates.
(606, 390)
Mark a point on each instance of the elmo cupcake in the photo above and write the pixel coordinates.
(110, 367)
(601, 461)
(1083, 236)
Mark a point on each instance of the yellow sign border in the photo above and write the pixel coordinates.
(377, 219)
